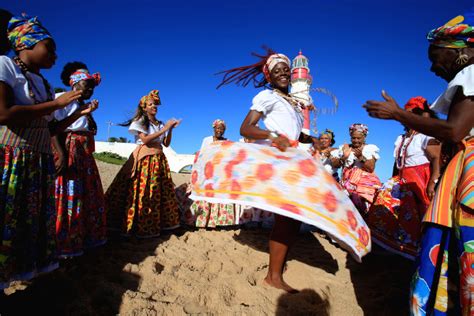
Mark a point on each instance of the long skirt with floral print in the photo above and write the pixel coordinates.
(213, 214)
(81, 219)
(27, 214)
(145, 203)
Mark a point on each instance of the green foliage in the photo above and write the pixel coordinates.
(118, 140)
(109, 157)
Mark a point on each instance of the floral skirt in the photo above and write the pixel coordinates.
(213, 214)
(145, 203)
(80, 204)
(27, 214)
(396, 215)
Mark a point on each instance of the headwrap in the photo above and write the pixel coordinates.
(83, 74)
(24, 32)
(153, 95)
(329, 133)
(415, 103)
(218, 122)
(358, 127)
(272, 61)
(457, 33)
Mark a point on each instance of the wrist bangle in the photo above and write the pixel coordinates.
(273, 135)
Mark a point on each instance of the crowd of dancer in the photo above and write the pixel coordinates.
(52, 204)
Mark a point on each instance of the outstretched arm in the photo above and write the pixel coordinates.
(18, 114)
(249, 129)
(454, 129)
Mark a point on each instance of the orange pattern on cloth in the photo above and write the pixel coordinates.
(456, 187)
(289, 183)
(363, 183)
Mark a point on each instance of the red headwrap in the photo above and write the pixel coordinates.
(416, 103)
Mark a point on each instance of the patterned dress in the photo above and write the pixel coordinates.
(396, 215)
(443, 283)
(141, 200)
(27, 210)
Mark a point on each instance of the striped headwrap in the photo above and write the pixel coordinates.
(415, 103)
(24, 32)
(83, 74)
(218, 122)
(457, 33)
(153, 95)
(358, 127)
(272, 61)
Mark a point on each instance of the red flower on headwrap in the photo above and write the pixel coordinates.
(416, 103)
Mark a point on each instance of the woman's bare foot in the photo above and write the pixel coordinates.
(279, 284)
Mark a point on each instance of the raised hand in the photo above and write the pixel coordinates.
(357, 152)
(89, 107)
(67, 97)
(346, 151)
(385, 110)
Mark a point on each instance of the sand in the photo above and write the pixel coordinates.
(214, 272)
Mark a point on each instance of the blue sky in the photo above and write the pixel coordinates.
(355, 48)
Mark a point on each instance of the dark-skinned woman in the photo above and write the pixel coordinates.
(395, 217)
(447, 246)
(326, 153)
(358, 165)
(277, 179)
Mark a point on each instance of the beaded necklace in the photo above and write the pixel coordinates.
(293, 102)
(24, 70)
(403, 149)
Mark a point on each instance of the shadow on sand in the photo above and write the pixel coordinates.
(306, 302)
(307, 248)
(92, 284)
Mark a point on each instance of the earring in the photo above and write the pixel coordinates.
(462, 59)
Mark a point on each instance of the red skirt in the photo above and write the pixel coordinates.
(395, 217)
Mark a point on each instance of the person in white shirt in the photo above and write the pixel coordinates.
(358, 167)
(283, 119)
(141, 200)
(395, 217)
(80, 204)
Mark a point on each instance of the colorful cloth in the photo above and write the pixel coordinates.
(25, 32)
(290, 183)
(80, 204)
(361, 186)
(27, 214)
(272, 61)
(449, 228)
(213, 214)
(83, 74)
(152, 95)
(456, 187)
(33, 135)
(145, 203)
(395, 216)
(416, 103)
(457, 33)
(358, 127)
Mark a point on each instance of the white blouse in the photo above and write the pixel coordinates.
(81, 124)
(11, 74)
(138, 127)
(368, 152)
(278, 115)
(326, 161)
(463, 79)
(415, 153)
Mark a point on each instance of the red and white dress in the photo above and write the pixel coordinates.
(395, 217)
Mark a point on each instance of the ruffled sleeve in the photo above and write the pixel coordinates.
(7, 72)
(137, 127)
(463, 79)
(371, 152)
(263, 102)
(426, 140)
